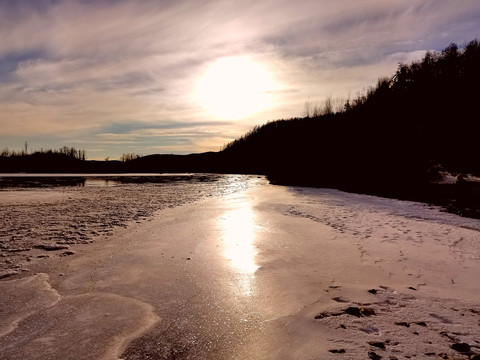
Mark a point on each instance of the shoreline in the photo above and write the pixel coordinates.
(270, 273)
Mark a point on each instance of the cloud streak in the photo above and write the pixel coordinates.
(70, 69)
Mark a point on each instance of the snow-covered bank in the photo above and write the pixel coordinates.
(414, 266)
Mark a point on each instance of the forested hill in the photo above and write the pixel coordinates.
(392, 139)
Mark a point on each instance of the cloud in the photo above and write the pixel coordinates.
(71, 69)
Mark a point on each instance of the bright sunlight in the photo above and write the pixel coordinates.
(239, 234)
(235, 87)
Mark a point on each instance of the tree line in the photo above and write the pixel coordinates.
(70, 152)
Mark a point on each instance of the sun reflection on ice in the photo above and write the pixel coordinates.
(239, 233)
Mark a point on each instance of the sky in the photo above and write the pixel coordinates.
(187, 76)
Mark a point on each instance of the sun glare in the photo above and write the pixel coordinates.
(235, 87)
(239, 234)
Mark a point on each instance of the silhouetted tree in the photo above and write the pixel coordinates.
(129, 157)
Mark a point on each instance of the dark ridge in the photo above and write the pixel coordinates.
(395, 138)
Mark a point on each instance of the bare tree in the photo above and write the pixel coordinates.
(307, 110)
(129, 157)
(328, 106)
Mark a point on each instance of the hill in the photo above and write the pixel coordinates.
(392, 140)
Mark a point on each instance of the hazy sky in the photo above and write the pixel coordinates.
(182, 76)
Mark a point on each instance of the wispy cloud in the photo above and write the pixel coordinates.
(71, 69)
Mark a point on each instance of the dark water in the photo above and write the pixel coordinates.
(98, 180)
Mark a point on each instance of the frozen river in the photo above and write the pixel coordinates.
(244, 270)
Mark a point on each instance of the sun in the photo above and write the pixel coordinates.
(235, 87)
